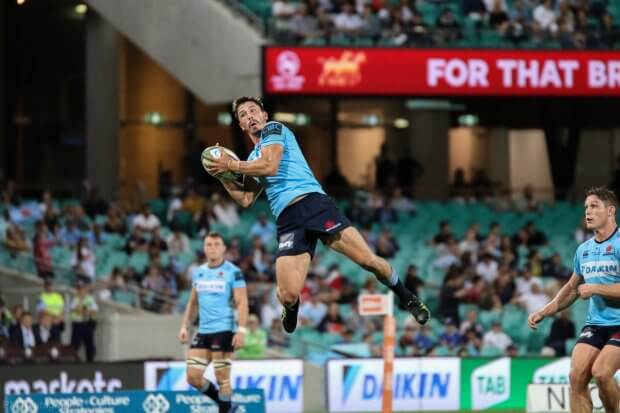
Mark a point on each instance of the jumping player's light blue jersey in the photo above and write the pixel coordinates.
(214, 288)
(599, 263)
(294, 176)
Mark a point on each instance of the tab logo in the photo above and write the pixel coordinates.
(491, 384)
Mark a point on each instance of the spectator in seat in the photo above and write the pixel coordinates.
(42, 244)
(45, 331)
(496, 337)
(424, 340)
(450, 337)
(525, 281)
(412, 281)
(544, 24)
(347, 23)
(22, 334)
(332, 322)
(474, 9)
(282, 11)
(305, 25)
(562, 329)
(83, 312)
(193, 202)
(533, 300)
(177, 242)
(371, 25)
(14, 237)
(312, 312)
(610, 33)
(225, 211)
(115, 223)
(83, 262)
(146, 222)
(498, 18)
(6, 321)
(444, 235)
(255, 341)
(264, 229)
(387, 246)
(94, 204)
(471, 324)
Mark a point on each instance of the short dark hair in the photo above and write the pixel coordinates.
(244, 99)
(213, 234)
(604, 194)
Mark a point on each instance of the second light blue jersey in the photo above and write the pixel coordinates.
(294, 176)
(214, 290)
(599, 263)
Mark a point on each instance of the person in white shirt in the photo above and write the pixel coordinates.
(269, 311)
(487, 268)
(83, 261)
(282, 12)
(525, 282)
(496, 338)
(178, 242)
(470, 244)
(545, 16)
(146, 221)
(225, 211)
(532, 300)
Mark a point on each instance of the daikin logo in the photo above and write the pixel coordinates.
(349, 375)
(491, 384)
(25, 405)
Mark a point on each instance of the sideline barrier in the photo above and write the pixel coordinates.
(555, 398)
(251, 401)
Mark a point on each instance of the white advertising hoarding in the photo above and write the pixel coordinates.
(419, 384)
(281, 380)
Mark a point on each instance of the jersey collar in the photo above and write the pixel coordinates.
(608, 238)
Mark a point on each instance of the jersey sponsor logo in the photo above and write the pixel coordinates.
(211, 286)
(585, 254)
(286, 241)
(329, 225)
(272, 129)
(599, 268)
(609, 250)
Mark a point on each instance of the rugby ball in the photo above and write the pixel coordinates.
(215, 152)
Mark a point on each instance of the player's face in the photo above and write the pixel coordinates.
(597, 213)
(214, 248)
(251, 117)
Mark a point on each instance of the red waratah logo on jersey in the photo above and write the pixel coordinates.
(221, 273)
(609, 248)
(328, 224)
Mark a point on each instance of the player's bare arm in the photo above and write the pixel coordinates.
(266, 165)
(609, 291)
(243, 193)
(567, 295)
(187, 317)
(240, 295)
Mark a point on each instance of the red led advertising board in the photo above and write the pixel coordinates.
(429, 72)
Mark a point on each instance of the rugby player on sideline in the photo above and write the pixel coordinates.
(303, 210)
(216, 286)
(596, 277)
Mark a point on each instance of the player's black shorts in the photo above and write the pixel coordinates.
(600, 336)
(221, 341)
(301, 225)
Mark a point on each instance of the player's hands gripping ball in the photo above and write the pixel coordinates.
(215, 160)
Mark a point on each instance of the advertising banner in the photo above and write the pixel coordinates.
(436, 72)
(555, 398)
(281, 380)
(419, 384)
(71, 378)
(249, 401)
(502, 383)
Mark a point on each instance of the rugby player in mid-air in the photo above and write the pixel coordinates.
(596, 277)
(303, 211)
(216, 287)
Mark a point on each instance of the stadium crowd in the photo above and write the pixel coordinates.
(480, 272)
(570, 24)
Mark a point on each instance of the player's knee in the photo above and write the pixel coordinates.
(601, 373)
(288, 297)
(194, 378)
(578, 380)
